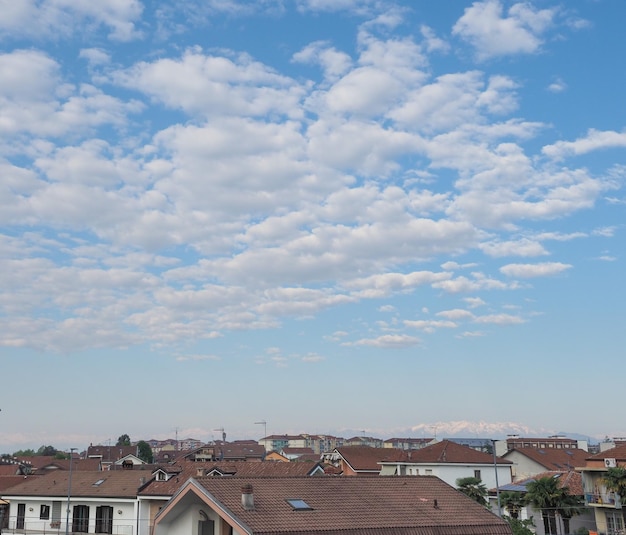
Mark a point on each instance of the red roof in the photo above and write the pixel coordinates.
(447, 451)
(347, 505)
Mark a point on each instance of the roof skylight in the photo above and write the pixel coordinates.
(299, 505)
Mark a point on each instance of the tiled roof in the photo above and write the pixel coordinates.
(111, 453)
(447, 451)
(378, 506)
(295, 451)
(10, 469)
(570, 479)
(238, 469)
(554, 458)
(6, 482)
(114, 484)
(362, 458)
(618, 453)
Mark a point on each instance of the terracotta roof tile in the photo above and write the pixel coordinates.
(554, 458)
(118, 484)
(238, 469)
(447, 451)
(618, 452)
(365, 458)
(571, 479)
(383, 505)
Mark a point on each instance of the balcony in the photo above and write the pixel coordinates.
(604, 499)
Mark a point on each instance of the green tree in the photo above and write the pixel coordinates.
(123, 440)
(568, 506)
(24, 453)
(520, 527)
(144, 451)
(474, 488)
(47, 450)
(544, 494)
(513, 502)
(615, 481)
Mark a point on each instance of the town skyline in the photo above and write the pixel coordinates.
(364, 214)
(436, 431)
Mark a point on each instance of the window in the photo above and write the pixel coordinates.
(80, 519)
(299, 505)
(429, 472)
(21, 515)
(477, 474)
(614, 523)
(44, 512)
(55, 522)
(104, 519)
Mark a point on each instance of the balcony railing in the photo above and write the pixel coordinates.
(607, 499)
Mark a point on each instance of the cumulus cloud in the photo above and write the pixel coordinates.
(50, 18)
(526, 271)
(492, 33)
(392, 341)
(594, 140)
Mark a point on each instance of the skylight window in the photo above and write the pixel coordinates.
(98, 483)
(299, 505)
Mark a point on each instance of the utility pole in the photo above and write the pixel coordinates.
(264, 424)
(69, 494)
(495, 466)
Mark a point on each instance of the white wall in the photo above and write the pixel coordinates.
(124, 514)
(450, 472)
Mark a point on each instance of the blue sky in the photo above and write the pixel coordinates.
(335, 216)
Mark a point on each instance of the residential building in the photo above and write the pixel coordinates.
(371, 442)
(408, 443)
(514, 442)
(607, 505)
(361, 460)
(295, 453)
(155, 494)
(108, 455)
(450, 461)
(324, 506)
(528, 462)
(571, 480)
(100, 502)
(278, 442)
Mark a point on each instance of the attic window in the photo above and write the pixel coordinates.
(299, 505)
(98, 483)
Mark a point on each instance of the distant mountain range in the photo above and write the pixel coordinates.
(464, 429)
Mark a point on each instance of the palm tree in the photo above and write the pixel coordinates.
(513, 502)
(544, 494)
(568, 506)
(474, 488)
(615, 481)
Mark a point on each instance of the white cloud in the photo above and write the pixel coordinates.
(557, 86)
(456, 314)
(474, 302)
(493, 34)
(522, 247)
(214, 85)
(334, 63)
(430, 326)
(51, 18)
(499, 319)
(594, 140)
(526, 271)
(393, 341)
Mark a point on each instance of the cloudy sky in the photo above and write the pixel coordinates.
(334, 216)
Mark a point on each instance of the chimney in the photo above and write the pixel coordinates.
(200, 472)
(247, 497)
